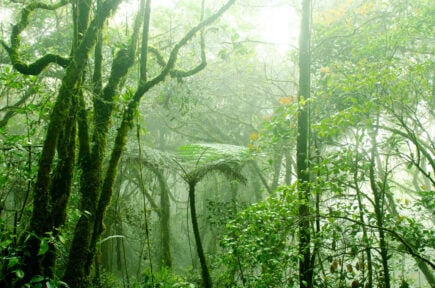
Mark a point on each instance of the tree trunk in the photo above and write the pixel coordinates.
(365, 237)
(379, 199)
(199, 249)
(302, 153)
(165, 229)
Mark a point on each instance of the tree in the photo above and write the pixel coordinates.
(209, 158)
(306, 261)
(69, 121)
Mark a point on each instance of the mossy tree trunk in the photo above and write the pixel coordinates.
(69, 120)
(53, 184)
(165, 229)
(90, 226)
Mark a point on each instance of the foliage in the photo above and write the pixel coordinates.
(371, 147)
(259, 244)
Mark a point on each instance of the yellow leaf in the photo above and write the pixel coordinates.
(325, 70)
(284, 100)
(254, 136)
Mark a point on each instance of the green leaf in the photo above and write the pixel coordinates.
(62, 239)
(43, 248)
(19, 273)
(13, 261)
(37, 279)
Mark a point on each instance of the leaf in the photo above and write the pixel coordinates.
(37, 279)
(62, 284)
(43, 248)
(201, 153)
(19, 273)
(61, 239)
(13, 261)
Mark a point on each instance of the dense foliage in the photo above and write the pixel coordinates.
(167, 144)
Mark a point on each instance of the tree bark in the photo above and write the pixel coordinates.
(379, 199)
(199, 249)
(302, 153)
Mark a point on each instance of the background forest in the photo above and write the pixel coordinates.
(249, 143)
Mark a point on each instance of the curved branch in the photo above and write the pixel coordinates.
(13, 109)
(145, 86)
(421, 146)
(159, 57)
(36, 67)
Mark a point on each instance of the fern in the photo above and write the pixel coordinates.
(201, 159)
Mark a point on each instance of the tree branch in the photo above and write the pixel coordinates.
(36, 67)
(393, 233)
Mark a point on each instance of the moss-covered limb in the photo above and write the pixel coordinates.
(165, 228)
(90, 35)
(193, 71)
(24, 18)
(144, 44)
(183, 74)
(83, 132)
(97, 76)
(75, 274)
(103, 103)
(178, 73)
(127, 124)
(103, 108)
(82, 17)
(57, 119)
(109, 178)
(92, 180)
(145, 86)
(60, 189)
(36, 67)
(159, 57)
(63, 174)
(88, 41)
(69, 88)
